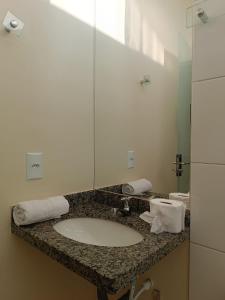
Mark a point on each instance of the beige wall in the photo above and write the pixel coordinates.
(128, 116)
(46, 104)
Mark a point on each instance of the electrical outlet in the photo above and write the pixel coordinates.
(34, 166)
(131, 159)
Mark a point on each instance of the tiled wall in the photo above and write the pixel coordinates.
(208, 159)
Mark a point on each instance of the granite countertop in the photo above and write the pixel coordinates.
(106, 267)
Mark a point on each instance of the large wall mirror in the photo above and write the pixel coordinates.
(142, 93)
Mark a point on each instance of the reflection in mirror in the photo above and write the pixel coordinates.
(139, 40)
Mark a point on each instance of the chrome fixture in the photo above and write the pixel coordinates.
(146, 80)
(179, 165)
(126, 203)
(202, 15)
(147, 285)
(12, 23)
(125, 210)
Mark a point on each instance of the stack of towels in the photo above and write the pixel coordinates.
(137, 187)
(165, 216)
(29, 212)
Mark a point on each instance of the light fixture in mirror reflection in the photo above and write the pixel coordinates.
(120, 20)
(146, 80)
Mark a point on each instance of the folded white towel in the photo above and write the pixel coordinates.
(169, 215)
(34, 211)
(137, 187)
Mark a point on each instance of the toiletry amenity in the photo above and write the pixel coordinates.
(137, 187)
(34, 211)
(184, 197)
(169, 215)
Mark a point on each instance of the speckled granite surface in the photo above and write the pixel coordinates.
(138, 204)
(108, 268)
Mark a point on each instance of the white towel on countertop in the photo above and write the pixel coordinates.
(137, 187)
(34, 211)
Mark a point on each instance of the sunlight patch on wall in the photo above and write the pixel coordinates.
(133, 26)
(110, 18)
(139, 33)
(127, 22)
(80, 9)
(151, 45)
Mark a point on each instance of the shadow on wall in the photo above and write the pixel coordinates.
(122, 20)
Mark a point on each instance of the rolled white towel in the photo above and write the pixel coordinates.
(137, 187)
(34, 211)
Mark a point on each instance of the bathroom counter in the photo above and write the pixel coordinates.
(108, 268)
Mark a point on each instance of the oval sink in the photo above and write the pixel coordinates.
(98, 232)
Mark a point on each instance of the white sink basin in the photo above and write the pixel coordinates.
(98, 232)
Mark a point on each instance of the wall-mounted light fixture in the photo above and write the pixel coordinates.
(12, 23)
(146, 80)
(202, 15)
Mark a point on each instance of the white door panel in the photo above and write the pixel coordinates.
(208, 122)
(208, 205)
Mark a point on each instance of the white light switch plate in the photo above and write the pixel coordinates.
(131, 159)
(34, 166)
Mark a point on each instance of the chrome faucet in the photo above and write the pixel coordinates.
(126, 203)
(125, 211)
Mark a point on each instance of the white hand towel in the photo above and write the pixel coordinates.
(137, 187)
(34, 211)
(169, 215)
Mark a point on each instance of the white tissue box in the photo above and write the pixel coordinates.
(185, 198)
(169, 215)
